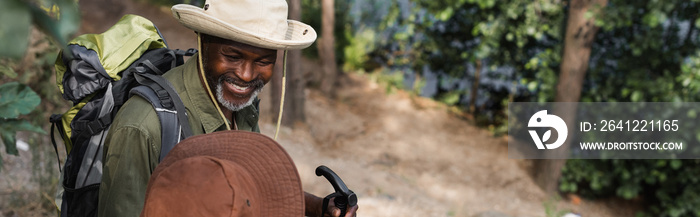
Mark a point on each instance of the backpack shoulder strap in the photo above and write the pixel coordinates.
(169, 108)
(169, 124)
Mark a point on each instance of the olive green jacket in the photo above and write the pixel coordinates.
(132, 146)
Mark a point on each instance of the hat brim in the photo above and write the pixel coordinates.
(298, 35)
(267, 162)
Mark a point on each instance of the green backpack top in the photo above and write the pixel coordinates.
(99, 59)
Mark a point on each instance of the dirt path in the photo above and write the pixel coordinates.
(403, 155)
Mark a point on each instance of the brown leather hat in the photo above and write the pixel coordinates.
(228, 173)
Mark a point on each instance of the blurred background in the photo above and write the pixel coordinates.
(406, 99)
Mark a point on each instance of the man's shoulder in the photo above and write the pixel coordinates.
(136, 113)
(176, 75)
(135, 125)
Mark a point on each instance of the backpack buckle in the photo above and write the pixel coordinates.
(55, 118)
(99, 125)
(94, 127)
(190, 52)
(165, 99)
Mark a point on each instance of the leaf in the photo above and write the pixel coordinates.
(64, 26)
(675, 164)
(510, 36)
(451, 98)
(636, 96)
(445, 14)
(532, 63)
(8, 71)
(636, 51)
(483, 51)
(532, 86)
(8, 132)
(24, 125)
(17, 99)
(15, 22)
(625, 92)
(546, 136)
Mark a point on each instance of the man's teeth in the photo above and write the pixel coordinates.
(239, 87)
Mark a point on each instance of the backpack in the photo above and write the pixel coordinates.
(98, 73)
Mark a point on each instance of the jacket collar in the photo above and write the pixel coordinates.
(203, 105)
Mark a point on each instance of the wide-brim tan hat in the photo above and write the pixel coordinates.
(253, 22)
(227, 173)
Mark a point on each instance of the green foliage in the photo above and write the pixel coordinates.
(450, 98)
(507, 34)
(311, 14)
(552, 210)
(390, 80)
(7, 71)
(644, 51)
(35, 70)
(8, 129)
(356, 52)
(448, 37)
(669, 187)
(15, 21)
(15, 99)
(57, 18)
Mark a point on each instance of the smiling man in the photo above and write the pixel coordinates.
(236, 72)
(239, 40)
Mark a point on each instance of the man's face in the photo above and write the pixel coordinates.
(236, 72)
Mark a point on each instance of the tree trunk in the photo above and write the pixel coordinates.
(475, 88)
(579, 36)
(326, 48)
(294, 99)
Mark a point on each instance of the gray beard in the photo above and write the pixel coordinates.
(229, 105)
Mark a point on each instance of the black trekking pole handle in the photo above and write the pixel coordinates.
(344, 197)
